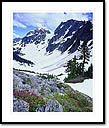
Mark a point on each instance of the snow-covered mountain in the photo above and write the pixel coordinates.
(43, 51)
(68, 35)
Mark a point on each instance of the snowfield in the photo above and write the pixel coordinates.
(86, 87)
(52, 63)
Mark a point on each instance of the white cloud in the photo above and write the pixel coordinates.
(49, 20)
(15, 35)
(19, 24)
(39, 25)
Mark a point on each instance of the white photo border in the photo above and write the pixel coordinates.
(7, 62)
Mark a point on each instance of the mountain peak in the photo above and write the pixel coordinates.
(70, 34)
(40, 28)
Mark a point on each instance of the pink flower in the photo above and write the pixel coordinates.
(31, 103)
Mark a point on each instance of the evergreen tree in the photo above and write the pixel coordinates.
(79, 69)
(85, 54)
(72, 69)
(72, 65)
(90, 71)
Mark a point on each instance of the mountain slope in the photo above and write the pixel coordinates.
(43, 51)
(44, 93)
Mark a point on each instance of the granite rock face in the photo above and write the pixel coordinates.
(40, 94)
(40, 108)
(20, 105)
(19, 85)
(53, 106)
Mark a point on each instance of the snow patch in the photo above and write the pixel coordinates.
(73, 32)
(86, 87)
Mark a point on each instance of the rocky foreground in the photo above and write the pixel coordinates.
(45, 93)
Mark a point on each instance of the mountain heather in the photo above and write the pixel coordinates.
(45, 93)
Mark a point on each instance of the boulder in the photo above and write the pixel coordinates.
(16, 81)
(40, 108)
(35, 80)
(20, 105)
(77, 80)
(23, 87)
(54, 89)
(52, 82)
(21, 75)
(18, 85)
(39, 87)
(53, 106)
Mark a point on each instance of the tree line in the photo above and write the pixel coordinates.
(76, 69)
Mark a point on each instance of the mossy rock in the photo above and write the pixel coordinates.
(27, 81)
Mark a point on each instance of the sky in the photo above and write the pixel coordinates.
(24, 22)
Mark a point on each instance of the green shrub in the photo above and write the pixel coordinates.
(47, 76)
(83, 102)
(33, 99)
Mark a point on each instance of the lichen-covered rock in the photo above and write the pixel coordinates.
(40, 108)
(53, 106)
(54, 89)
(42, 94)
(39, 87)
(21, 74)
(18, 84)
(20, 105)
(35, 81)
(52, 82)
(23, 87)
(16, 81)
